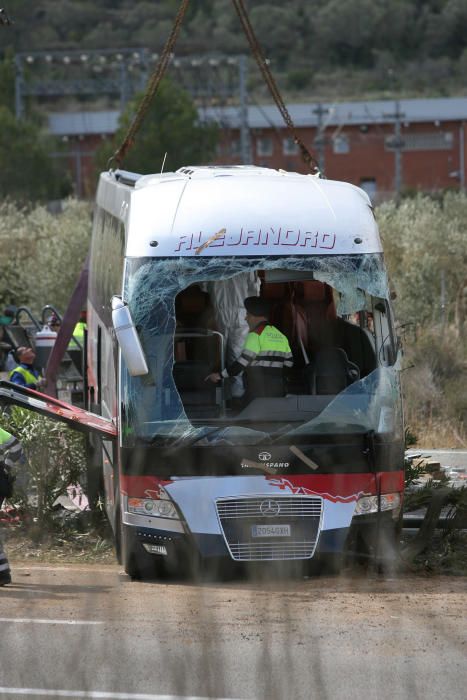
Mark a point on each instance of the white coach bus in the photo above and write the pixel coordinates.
(196, 468)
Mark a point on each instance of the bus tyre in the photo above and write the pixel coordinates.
(137, 563)
(329, 564)
(118, 541)
(387, 550)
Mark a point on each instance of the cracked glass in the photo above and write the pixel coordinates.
(155, 407)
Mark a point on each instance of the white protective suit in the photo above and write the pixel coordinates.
(227, 297)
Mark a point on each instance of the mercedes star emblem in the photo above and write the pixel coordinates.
(269, 508)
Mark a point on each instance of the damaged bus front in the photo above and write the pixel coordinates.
(210, 468)
(197, 468)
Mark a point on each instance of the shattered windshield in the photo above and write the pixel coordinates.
(328, 315)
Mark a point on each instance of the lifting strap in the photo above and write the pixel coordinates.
(161, 68)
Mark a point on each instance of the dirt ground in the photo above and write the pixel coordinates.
(271, 637)
(445, 556)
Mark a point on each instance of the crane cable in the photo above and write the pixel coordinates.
(271, 83)
(152, 87)
(161, 68)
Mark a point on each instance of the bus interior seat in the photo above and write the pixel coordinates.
(197, 352)
(193, 308)
(317, 301)
(301, 310)
(357, 345)
(330, 372)
(297, 305)
(193, 312)
(305, 312)
(327, 330)
(202, 354)
(287, 316)
(274, 294)
(199, 397)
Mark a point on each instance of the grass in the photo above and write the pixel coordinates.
(60, 543)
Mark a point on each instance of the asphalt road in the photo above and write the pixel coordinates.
(447, 458)
(88, 632)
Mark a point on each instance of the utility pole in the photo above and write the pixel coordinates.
(319, 140)
(245, 144)
(462, 157)
(19, 81)
(397, 143)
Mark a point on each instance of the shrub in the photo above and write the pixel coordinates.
(55, 458)
(42, 254)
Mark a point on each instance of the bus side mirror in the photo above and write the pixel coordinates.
(128, 338)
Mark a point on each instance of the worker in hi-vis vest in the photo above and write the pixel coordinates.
(77, 339)
(11, 453)
(25, 374)
(264, 356)
(78, 333)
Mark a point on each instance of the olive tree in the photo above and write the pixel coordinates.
(425, 242)
(171, 127)
(55, 459)
(42, 254)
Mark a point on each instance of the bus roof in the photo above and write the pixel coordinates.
(239, 210)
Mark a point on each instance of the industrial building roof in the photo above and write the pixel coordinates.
(303, 115)
(82, 123)
(345, 113)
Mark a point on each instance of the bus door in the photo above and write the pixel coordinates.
(77, 418)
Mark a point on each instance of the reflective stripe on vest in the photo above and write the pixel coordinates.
(270, 348)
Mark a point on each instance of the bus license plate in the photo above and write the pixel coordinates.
(270, 531)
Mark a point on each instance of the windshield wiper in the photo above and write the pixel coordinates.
(277, 435)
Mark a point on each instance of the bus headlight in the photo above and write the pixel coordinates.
(369, 504)
(155, 508)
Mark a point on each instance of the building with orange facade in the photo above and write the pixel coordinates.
(383, 146)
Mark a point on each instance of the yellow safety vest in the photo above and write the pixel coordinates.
(268, 348)
(78, 335)
(30, 379)
(5, 437)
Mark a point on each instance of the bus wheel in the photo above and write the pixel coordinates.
(137, 563)
(387, 557)
(325, 565)
(117, 529)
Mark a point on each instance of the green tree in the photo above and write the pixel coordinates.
(425, 242)
(445, 32)
(345, 32)
(41, 254)
(278, 31)
(27, 172)
(171, 126)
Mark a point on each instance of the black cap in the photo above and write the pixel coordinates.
(257, 306)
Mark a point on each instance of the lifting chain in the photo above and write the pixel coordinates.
(271, 83)
(152, 87)
(161, 67)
